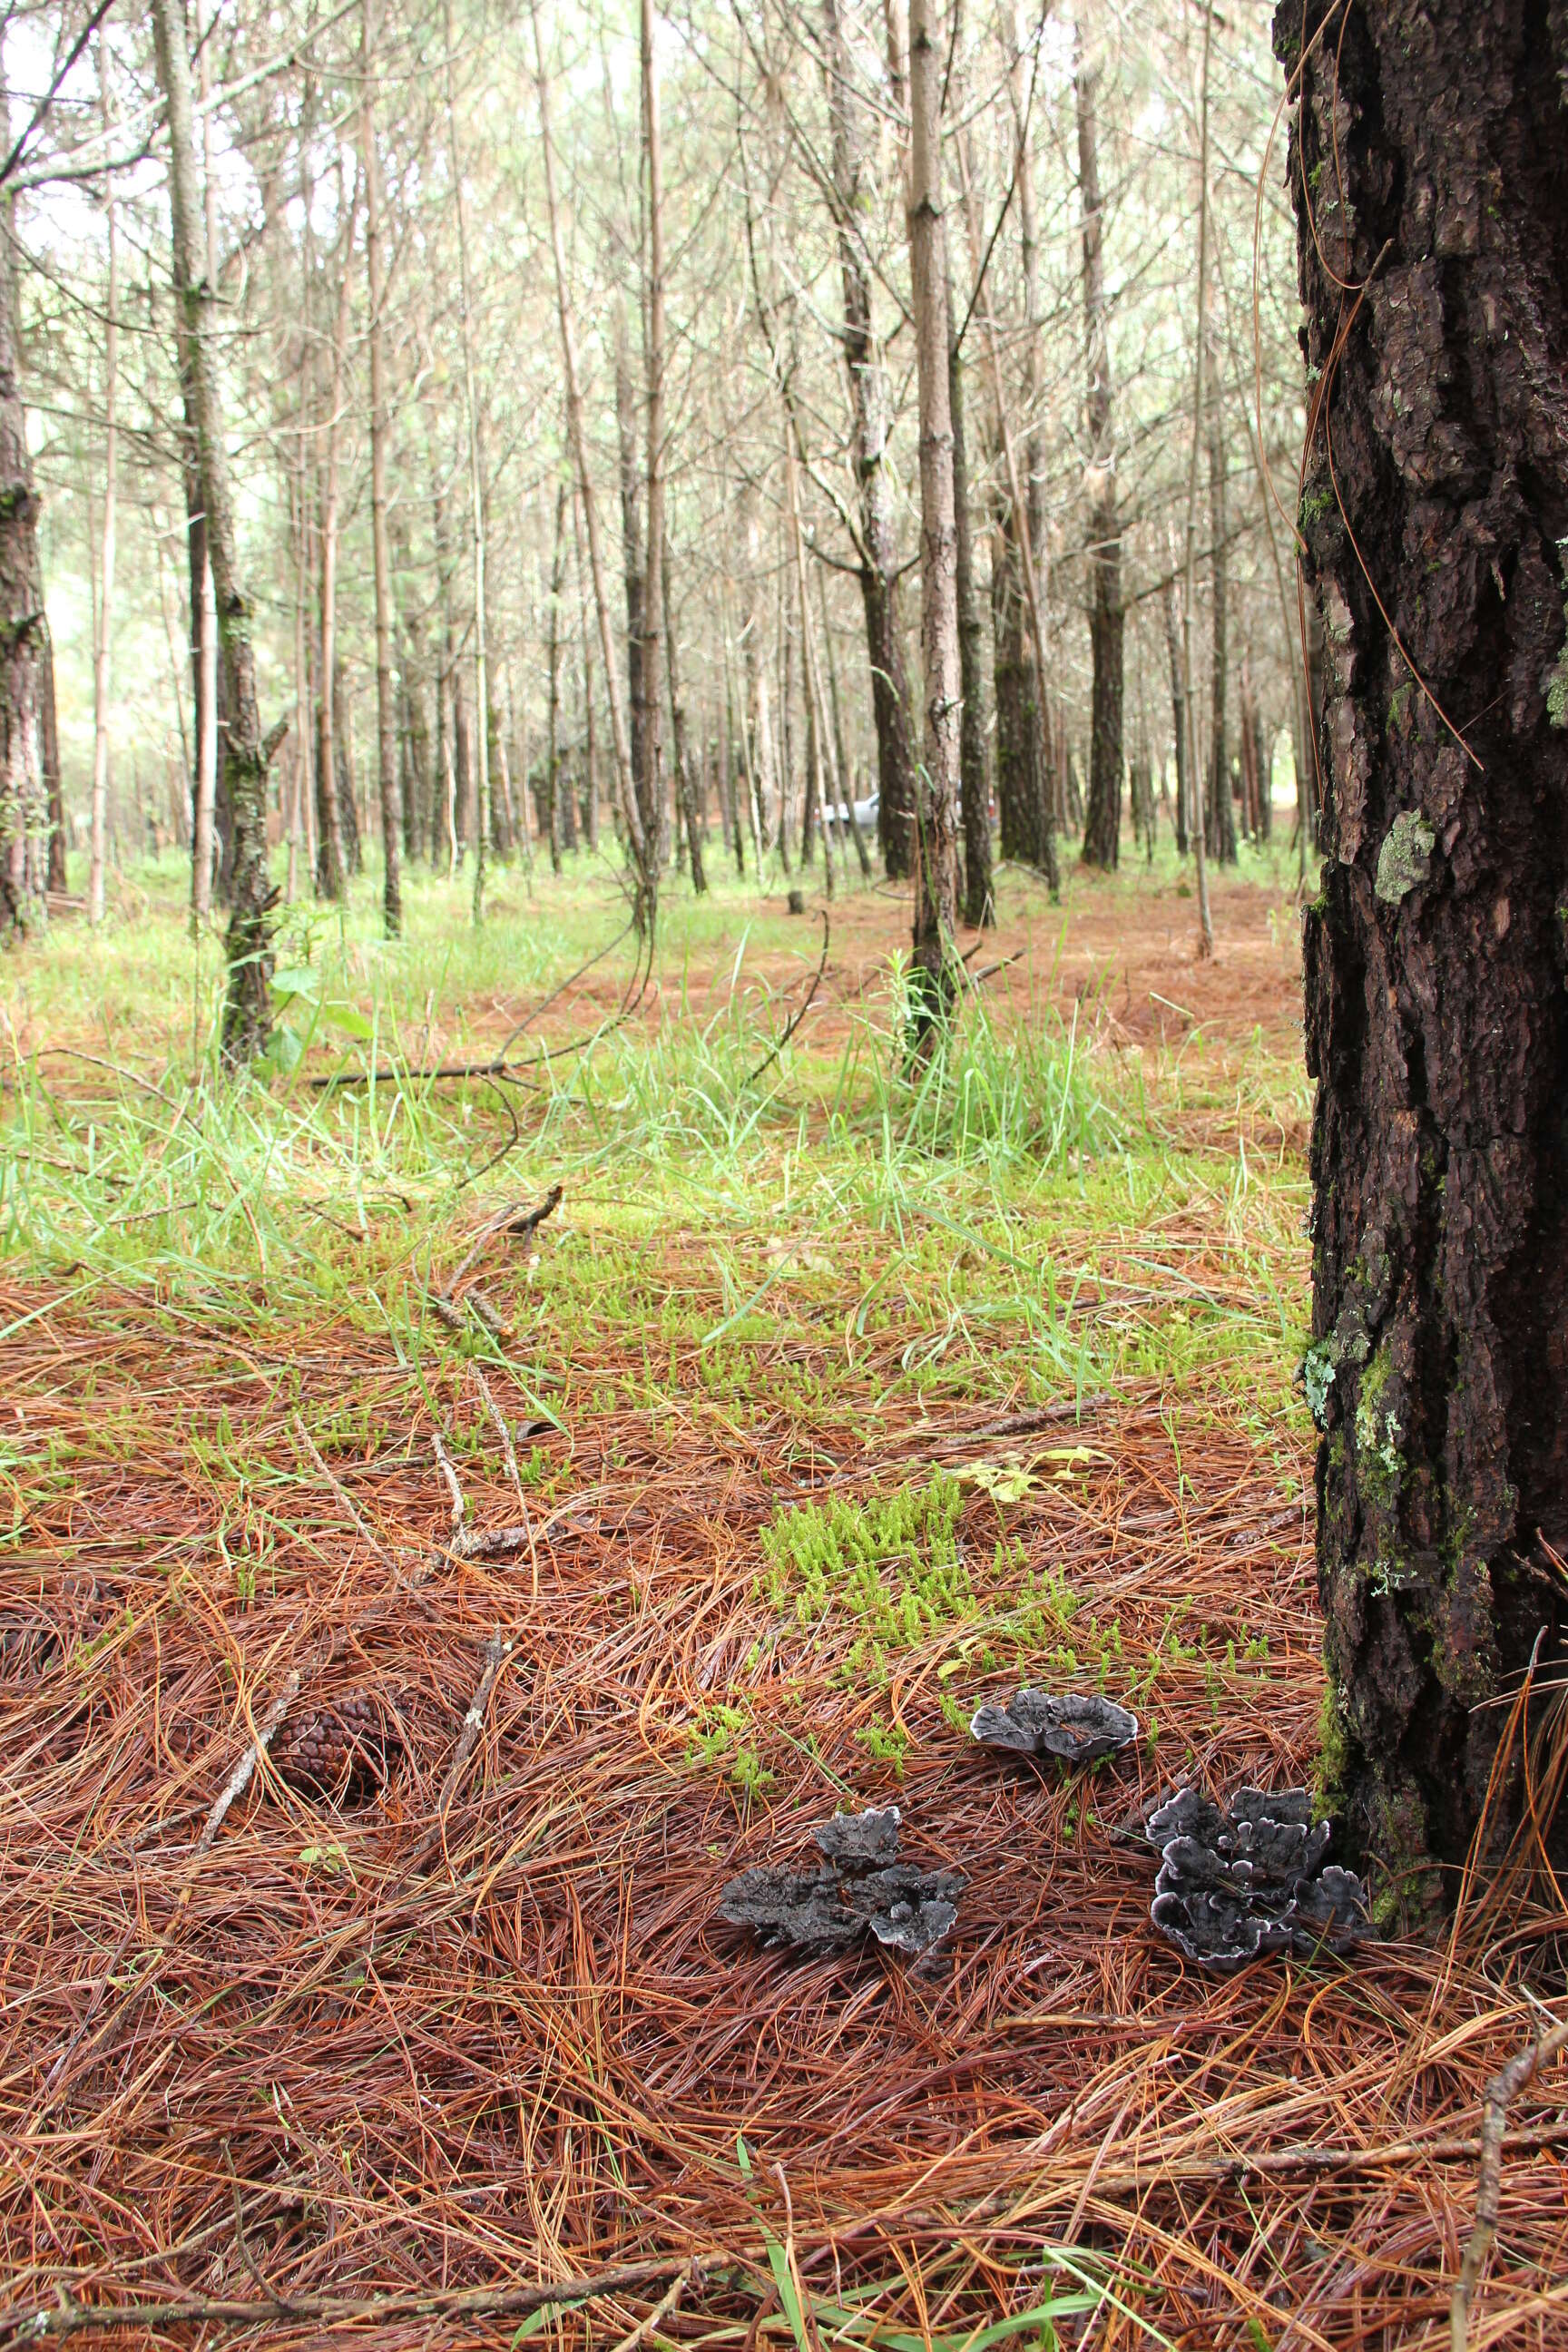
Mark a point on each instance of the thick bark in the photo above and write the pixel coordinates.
(24, 641)
(248, 1016)
(1436, 1014)
(380, 435)
(974, 767)
(871, 428)
(936, 804)
(1102, 833)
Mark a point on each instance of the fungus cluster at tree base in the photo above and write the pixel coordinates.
(1251, 1878)
(862, 1890)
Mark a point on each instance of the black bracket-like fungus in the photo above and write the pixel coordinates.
(864, 1889)
(1252, 1878)
(1079, 1729)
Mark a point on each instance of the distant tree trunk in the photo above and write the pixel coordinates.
(1102, 836)
(1178, 711)
(102, 650)
(1437, 1013)
(1026, 549)
(1221, 830)
(936, 803)
(552, 809)
(871, 426)
(23, 639)
(979, 903)
(644, 850)
(380, 435)
(481, 830)
(333, 859)
(654, 595)
(681, 750)
(248, 1016)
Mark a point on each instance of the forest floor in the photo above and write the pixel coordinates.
(397, 2058)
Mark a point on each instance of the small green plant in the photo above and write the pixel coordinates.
(885, 1743)
(723, 1740)
(892, 1561)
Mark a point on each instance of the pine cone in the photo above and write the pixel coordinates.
(341, 1752)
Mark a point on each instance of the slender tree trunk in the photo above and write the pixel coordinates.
(1221, 827)
(1103, 836)
(476, 488)
(1036, 763)
(654, 599)
(332, 855)
(553, 652)
(102, 649)
(247, 1019)
(979, 904)
(1436, 1015)
(816, 714)
(380, 435)
(870, 428)
(24, 798)
(643, 853)
(936, 805)
(681, 754)
(1194, 770)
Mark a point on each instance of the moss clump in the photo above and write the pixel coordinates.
(892, 1561)
(1379, 1434)
(1332, 1761)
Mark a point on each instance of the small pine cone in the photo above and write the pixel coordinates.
(339, 1751)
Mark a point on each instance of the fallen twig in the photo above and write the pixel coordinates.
(662, 2310)
(351, 1508)
(518, 1223)
(495, 1653)
(508, 2302)
(240, 1777)
(443, 1463)
(1504, 2088)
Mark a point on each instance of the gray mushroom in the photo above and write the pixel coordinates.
(1078, 1727)
(1250, 1879)
(864, 1890)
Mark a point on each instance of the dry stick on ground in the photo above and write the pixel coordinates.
(519, 1223)
(443, 1463)
(662, 2310)
(510, 2302)
(495, 1653)
(357, 1516)
(240, 1777)
(1504, 2088)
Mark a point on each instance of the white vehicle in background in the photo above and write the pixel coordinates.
(864, 816)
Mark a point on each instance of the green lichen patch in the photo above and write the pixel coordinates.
(1404, 861)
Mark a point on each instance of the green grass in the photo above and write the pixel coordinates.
(1022, 1218)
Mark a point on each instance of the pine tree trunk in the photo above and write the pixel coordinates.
(387, 775)
(1221, 828)
(248, 1016)
(24, 641)
(1429, 145)
(936, 804)
(871, 426)
(1103, 836)
(974, 768)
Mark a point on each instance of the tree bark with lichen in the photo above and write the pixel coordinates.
(1437, 950)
